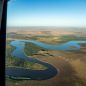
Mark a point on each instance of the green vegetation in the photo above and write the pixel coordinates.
(81, 51)
(72, 38)
(31, 49)
(17, 62)
(78, 52)
(16, 36)
(12, 80)
(9, 49)
(60, 39)
(72, 71)
(34, 37)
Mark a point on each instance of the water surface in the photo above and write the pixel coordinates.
(22, 73)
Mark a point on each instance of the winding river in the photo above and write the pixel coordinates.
(22, 73)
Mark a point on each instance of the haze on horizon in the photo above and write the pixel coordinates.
(64, 13)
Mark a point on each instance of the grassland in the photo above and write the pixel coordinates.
(17, 62)
(31, 49)
(72, 71)
(60, 39)
(71, 64)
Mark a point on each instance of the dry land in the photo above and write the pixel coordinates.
(70, 64)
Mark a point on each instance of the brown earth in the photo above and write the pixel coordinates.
(71, 72)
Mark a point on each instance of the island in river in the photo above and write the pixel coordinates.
(70, 63)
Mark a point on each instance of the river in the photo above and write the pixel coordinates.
(22, 73)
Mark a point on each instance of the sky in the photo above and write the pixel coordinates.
(62, 13)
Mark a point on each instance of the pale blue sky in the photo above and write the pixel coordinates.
(71, 13)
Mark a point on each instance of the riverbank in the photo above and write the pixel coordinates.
(16, 62)
(68, 71)
(71, 65)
